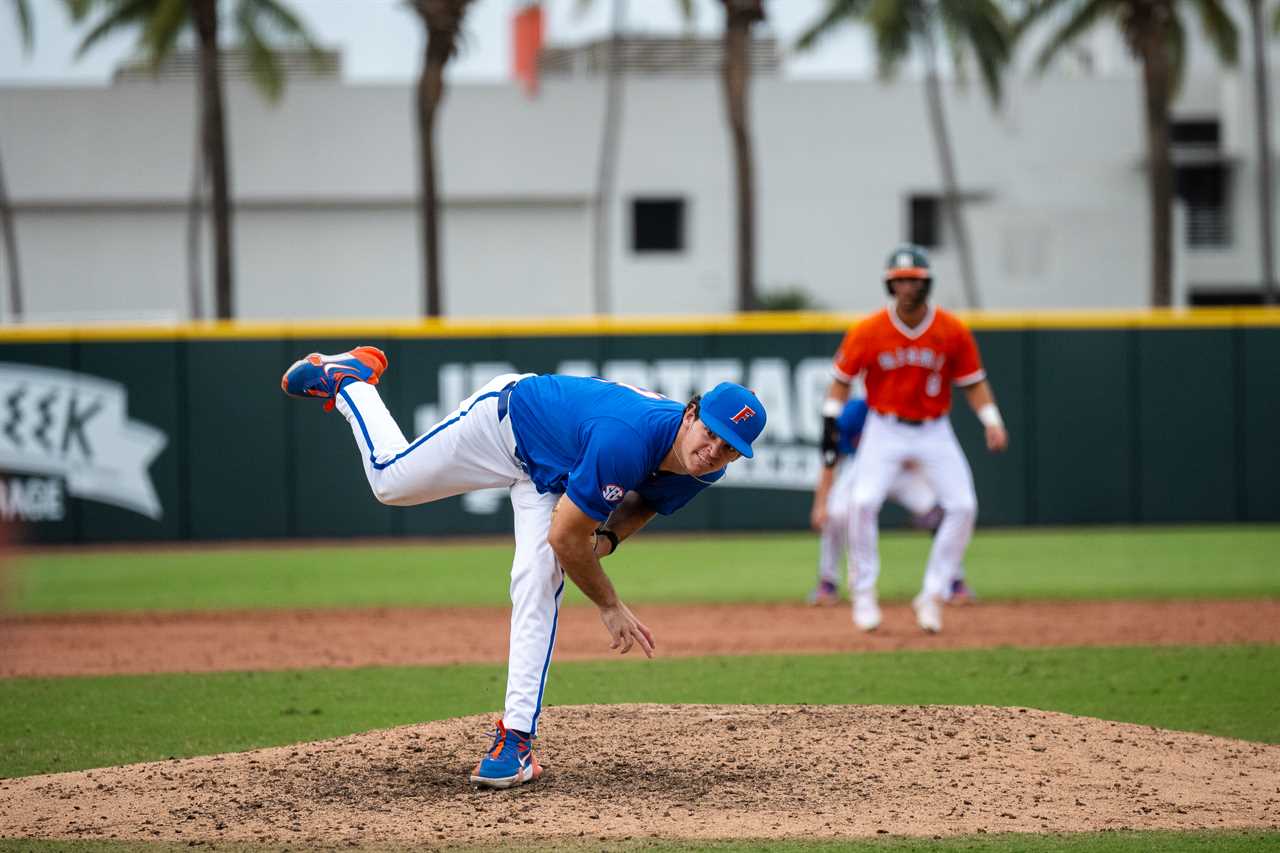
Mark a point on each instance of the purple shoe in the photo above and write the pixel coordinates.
(961, 593)
(928, 520)
(824, 594)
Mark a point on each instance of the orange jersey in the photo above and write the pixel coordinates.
(909, 372)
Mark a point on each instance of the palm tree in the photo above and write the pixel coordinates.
(735, 73)
(607, 165)
(443, 20)
(970, 28)
(22, 12)
(740, 15)
(1262, 123)
(261, 26)
(1155, 35)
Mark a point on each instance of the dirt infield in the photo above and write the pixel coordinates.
(205, 642)
(702, 772)
(694, 772)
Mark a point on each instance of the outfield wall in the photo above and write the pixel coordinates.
(182, 433)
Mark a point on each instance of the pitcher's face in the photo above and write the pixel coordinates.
(700, 450)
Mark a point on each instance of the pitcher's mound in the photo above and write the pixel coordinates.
(685, 771)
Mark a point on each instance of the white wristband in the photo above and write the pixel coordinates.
(831, 408)
(990, 415)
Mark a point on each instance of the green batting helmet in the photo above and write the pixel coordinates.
(907, 261)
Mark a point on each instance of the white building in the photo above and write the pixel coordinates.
(324, 187)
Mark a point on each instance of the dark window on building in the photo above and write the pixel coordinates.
(1194, 132)
(657, 225)
(1204, 191)
(1226, 296)
(924, 221)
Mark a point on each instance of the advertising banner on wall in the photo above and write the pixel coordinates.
(65, 434)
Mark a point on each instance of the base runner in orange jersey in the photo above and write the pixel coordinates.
(910, 354)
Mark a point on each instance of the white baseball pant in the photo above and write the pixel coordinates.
(472, 448)
(885, 446)
(910, 489)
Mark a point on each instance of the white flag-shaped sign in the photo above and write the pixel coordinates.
(73, 425)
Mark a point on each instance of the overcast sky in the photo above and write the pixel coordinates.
(381, 40)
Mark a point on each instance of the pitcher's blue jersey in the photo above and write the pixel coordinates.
(850, 423)
(595, 440)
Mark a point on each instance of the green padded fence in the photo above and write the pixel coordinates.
(182, 433)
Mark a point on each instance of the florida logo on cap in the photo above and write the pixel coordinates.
(735, 414)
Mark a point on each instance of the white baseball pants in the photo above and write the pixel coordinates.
(885, 446)
(910, 489)
(470, 449)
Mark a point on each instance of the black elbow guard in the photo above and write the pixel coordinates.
(830, 441)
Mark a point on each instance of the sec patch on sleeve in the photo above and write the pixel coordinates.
(612, 493)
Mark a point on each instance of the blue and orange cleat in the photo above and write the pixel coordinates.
(322, 376)
(508, 763)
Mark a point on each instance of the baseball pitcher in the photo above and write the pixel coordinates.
(588, 463)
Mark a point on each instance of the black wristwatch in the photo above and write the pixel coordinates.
(611, 536)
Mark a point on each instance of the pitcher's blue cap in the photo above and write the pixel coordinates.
(734, 414)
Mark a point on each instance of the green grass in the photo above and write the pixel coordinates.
(49, 725)
(1089, 842)
(55, 724)
(1081, 563)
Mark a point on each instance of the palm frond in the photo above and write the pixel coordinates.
(1220, 29)
(264, 67)
(278, 15)
(921, 15)
(838, 13)
(991, 40)
(893, 22)
(980, 28)
(953, 40)
(1083, 18)
(160, 34)
(988, 27)
(287, 24)
(22, 12)
(78, 9)
(1033, 12)
(1129, 20)
(992, 69)
(126, 14)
